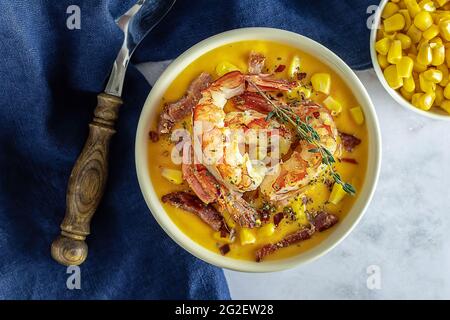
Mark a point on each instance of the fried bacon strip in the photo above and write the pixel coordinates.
(349, 141)
(319, 222)
(323, 220)
(191, 203)
(300, 235)
(178, 110)
(256, 62)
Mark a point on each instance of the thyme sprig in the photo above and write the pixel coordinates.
(306, 132)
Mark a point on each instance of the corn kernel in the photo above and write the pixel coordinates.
(441, 2)
(445, 105)
(247, 236)
(394, 23)
(390, 35)
(445, 75)
(224, 67)
(436, 40)
(412, 7)
(413, 50)
(405, 67)
(447, 91)
(414, 33)
(439, 92)
(357, 115)
(415, 98)
(173, 175)
(418, 67)
(424, 56)
(417, 84)
(407, 17)
(392, 78)
(423, 20)
(382, 61)
(433, 75)
(447, 54)
(382, 46)
(408, 84)
(395, 52)
(294, 67)
(431, 32)
(427, 5)
(438, 54)
(424, 101)
(389, 9)
(321, 82)
(444, 28)
(404, 39)
(266, 230)
(426, 85)
(407, 95)
(337, 194)
(333, 105)
(380, 32)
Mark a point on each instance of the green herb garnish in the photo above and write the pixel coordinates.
(306, 132)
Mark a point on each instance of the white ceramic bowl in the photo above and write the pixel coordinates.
(149, 112)
(434, 113)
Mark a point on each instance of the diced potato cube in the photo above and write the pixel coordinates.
(333, 105)
(247, 236)
(337, 194)
(267, 230)
(299, 92)
(357, 115)
(294, 67)
(173, 175)
(225, 67)
(321, 82)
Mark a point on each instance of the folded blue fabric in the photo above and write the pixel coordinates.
(49, 78)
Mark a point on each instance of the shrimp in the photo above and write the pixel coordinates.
(305, 163)
(217, 146)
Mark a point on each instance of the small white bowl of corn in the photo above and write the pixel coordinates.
(410, 51)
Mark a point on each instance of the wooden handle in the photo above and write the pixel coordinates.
(87, 184)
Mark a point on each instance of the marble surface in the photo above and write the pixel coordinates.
(401, 247)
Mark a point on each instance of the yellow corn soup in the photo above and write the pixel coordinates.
(276, 54)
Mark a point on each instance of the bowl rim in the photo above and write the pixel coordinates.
(376, 66)
(307, 45)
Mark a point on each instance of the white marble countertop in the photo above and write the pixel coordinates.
(405, 234)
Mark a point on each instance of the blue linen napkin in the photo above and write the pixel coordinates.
(49, 78)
